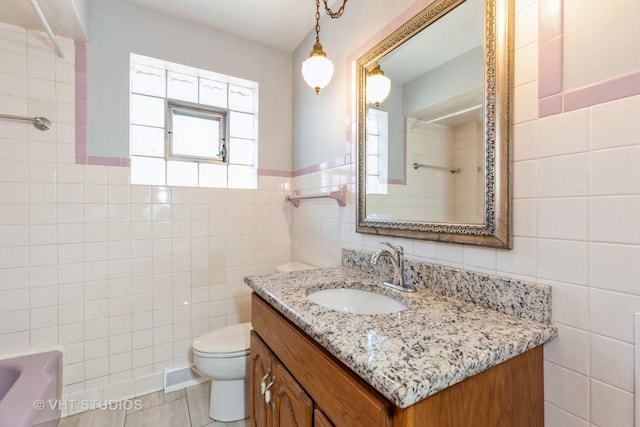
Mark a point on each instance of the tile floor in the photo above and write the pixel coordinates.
(183, 408)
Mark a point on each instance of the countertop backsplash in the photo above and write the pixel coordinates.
(523, 299)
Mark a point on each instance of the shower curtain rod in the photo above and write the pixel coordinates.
(47, 28)
(40, 123)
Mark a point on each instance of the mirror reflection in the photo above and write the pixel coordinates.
(424, 142)
(433, 144)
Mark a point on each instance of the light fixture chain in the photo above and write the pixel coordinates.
(331, 13)
(317, 20)
(317, 69)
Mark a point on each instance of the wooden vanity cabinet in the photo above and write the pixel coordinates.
(337, 395)
(286, 403)
(312, 388)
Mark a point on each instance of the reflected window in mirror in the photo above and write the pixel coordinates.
(377, 151)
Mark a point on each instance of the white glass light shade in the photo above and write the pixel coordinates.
(317, 69)
(378, 87)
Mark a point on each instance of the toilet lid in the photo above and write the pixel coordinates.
(229, 339)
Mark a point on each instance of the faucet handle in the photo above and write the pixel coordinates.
(395, 248)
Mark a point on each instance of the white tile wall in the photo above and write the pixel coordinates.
(121, 276)
(575, 212)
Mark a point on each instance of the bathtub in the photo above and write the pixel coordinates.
(30, 388)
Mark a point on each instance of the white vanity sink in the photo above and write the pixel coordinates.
(356, 301)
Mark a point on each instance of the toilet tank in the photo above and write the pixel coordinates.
(288, 267)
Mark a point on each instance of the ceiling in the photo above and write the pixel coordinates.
(282, 24)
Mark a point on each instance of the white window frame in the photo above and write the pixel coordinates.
(197, 111)
(233, 169)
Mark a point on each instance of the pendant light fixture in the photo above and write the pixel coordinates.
(378, 86)
(317, 69)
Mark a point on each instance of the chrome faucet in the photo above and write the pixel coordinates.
(397, 262)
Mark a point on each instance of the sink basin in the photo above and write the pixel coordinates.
(356, 301)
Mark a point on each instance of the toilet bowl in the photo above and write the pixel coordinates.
(223, 355)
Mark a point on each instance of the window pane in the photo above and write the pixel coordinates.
(213, 93)
(242, 177)
(372, 165)
(240, 99)
(372, 122)
(181, 86)
(147, 141)
(241, 125)
(147, 110)
(147, 170)
(182, 173)
(213, 175)
(372, 184)
(241, 152)
(195, 136)
(372, 144)
(148, 81)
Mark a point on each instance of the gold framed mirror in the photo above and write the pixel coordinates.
(433, 156)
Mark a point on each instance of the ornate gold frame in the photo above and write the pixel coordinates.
(498, 54)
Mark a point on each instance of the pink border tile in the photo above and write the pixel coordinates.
(81, 101)
(553, 99)
(618, 88)
(550, 69)
(274, 172)
(549, 19)
(550, 106)
(331, 164)
(108, 161)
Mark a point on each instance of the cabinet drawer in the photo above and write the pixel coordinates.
(343, 396)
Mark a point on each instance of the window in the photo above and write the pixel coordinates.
(376, 148)
(191, 127)
(195, 132)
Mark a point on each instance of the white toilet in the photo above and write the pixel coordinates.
(223, 355)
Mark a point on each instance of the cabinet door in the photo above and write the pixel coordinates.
(293, 406)
(261, 370)
(320, 419)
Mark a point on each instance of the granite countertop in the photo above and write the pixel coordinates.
(407, 356)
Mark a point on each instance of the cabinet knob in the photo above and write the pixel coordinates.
(263, 382)
(267, 394)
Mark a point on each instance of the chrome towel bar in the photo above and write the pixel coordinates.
(416, 166)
